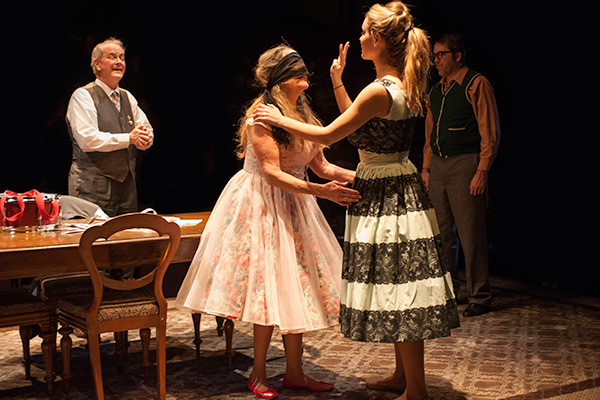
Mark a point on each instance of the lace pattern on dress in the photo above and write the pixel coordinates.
(399, 326)
(384, 135)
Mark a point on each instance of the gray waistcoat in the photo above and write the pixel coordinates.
(113, 164)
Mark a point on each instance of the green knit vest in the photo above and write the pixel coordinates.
(455, 128)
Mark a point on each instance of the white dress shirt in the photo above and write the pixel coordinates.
(83, 118)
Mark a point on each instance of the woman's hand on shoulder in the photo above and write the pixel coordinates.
(267, 114)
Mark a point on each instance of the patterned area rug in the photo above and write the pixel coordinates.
(533, 345)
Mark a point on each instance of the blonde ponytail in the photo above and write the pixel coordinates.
(408, 48)
(416, 68)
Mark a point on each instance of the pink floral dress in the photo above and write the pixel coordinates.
(267, 256)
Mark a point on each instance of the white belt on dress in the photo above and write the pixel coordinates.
(367, 157)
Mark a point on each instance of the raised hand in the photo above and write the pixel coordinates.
(338, 65)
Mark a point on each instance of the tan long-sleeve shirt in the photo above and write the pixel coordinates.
(486, 112)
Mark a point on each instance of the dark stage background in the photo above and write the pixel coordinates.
(190, 66)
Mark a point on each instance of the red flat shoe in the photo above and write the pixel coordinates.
(315, 387)
(270, 393)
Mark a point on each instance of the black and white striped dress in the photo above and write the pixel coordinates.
(395, 287)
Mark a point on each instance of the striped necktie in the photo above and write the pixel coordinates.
(116, 99)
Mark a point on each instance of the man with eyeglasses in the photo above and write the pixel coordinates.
(462, 134)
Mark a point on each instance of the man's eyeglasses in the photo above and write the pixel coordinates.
(440, 54)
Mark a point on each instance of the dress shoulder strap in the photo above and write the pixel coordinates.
(398, 109)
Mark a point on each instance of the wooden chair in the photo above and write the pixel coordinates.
(120, 305)
(50, 288)
(20, 308)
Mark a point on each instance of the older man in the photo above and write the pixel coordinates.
(107, 128)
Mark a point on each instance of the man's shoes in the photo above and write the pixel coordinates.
(474, 310)
(461, 300)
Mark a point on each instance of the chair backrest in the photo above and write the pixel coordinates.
(123, 222)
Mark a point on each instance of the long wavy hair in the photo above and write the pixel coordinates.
(408, 48)
(300, 111)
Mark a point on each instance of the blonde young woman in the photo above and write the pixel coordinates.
(267, 255)
(395, 288)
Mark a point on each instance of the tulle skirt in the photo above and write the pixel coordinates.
(267, 256)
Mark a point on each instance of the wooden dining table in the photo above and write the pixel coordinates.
(55, 251)
(52, 251)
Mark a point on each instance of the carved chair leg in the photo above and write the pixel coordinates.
(145, 338)
(54, 350)
(94, 350)
(220, 322)
(161, 359)
(121, 344)
(223, 325)
(229, 341)
(196, 320)
(25, 332)
(65, 348)
(48, 334)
